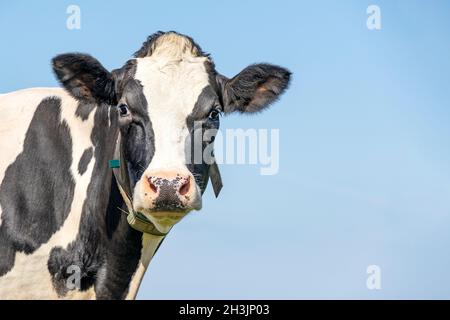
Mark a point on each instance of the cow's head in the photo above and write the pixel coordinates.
(163, 96)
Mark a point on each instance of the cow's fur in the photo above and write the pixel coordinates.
(61, 213)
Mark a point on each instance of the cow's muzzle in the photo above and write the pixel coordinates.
(165, 197)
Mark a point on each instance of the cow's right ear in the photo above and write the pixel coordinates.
(85, 78)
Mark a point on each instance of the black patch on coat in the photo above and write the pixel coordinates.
(199, 120)
(85, 160)
(84, 109)
(37, 191)
(123, 75)
(138, 140)
(123, 251)
(137, 137)
(86, 261)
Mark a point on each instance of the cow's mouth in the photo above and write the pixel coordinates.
(165, 220)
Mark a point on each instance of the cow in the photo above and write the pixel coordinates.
(96, 173)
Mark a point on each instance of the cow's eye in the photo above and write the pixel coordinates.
(123, 110)
(214, 114)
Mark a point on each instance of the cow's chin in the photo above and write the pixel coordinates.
(164, 220)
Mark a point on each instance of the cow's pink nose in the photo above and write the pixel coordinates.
(169, 190)
(178, 183)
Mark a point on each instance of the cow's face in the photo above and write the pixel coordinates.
(166, 98)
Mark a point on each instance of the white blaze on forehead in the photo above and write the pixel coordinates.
(173, 78)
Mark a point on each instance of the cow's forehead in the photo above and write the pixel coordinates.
(172, 86)
(173, 72)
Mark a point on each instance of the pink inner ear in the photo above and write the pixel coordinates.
(262, 89)
(263, 96)
(269, 88)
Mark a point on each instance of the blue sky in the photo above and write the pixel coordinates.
(364, 142)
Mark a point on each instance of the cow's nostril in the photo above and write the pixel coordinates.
(152, 185)
(185, 187)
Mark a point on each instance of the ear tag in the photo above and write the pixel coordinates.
(114, 163)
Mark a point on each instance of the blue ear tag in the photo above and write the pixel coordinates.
(114, 163)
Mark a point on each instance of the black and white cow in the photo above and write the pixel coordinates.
(61, 206)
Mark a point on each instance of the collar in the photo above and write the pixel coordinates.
(136, 219)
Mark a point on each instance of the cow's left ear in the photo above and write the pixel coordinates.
(254, 88)
(85, 78)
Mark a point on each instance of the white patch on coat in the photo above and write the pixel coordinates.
(173, 78)
(149, 245)
(30, 278)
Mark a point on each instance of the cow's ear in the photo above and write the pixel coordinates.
(254, 88)
(84, 78)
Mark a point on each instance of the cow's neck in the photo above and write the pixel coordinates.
(129, 253)
(125, 252)
(150, 244)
